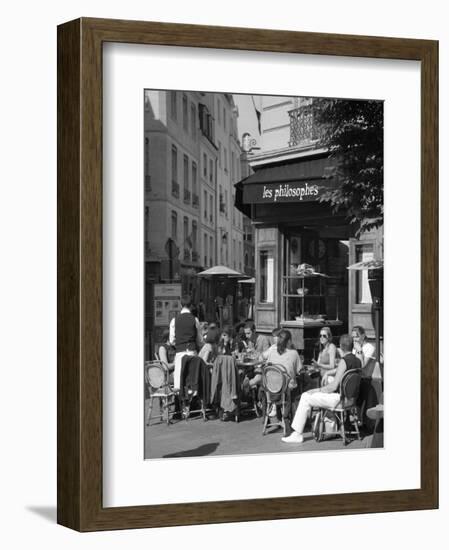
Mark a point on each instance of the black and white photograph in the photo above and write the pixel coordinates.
(263, 254)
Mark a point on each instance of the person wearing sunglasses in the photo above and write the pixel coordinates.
(328, 353)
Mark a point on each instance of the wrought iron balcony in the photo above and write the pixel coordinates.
(175, 189)
(195, 200)
(186, 196)
(303, 127)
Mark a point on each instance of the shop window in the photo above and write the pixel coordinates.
(363, 253)
(266, 277)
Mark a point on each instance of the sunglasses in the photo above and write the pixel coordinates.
(323, 335)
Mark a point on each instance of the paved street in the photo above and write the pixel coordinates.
(214, 437)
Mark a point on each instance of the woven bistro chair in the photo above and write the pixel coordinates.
(346, 410)
(157, 381)
(274, 383)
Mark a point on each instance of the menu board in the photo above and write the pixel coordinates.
(167, 303)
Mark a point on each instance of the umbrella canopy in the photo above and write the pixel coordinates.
(368, 264)
(220, 271)
(251, 281)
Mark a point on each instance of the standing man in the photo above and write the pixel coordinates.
(185, 335)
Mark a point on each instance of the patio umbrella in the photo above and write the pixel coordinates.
(220, 271)
(368, 264)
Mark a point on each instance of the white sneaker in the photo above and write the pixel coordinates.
(294, 437)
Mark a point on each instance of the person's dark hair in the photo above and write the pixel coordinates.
(186, 300)
(284, 337)
(194, 310)
(212, 336)
(346, 342)
(359, 329)
(275, 332)
(227, 330)
(250, 325)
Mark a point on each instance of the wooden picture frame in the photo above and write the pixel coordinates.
(80, 274)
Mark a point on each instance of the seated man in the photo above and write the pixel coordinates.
(327, 396)
(258, 344)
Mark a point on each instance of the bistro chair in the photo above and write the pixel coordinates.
(157, 382)
(345, 412)
(274, 383)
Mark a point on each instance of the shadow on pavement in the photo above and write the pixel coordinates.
(202, 450)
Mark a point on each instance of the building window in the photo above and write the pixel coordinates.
(205, 206)
(195, 198)
(222, 203)
(211, 171)
(224, 118)
(174, 172)
(211, 250)
(186, 180)
(186, 231)
(205, 250)
(225, 159)
(266, 277)
(194, 241)
(226, 203)
(211, 209)
(206, 122)
(185, 115)
(174, 225)
(205, 165)
(193, 120)
(173, 106)
(363, 253)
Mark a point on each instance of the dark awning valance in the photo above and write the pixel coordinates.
(299, 181)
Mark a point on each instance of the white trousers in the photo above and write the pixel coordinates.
(178, 365)
(309, 400)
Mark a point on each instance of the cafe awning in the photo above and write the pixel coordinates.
(288, 182)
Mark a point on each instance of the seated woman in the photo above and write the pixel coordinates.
(328, 353)
(166, 352)
(283, 355)
(225, 345)
(327, 396)
(209, 350)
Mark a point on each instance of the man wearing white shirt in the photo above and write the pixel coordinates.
(363, 350)
(185, 335)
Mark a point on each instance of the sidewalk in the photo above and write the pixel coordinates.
(195, 437)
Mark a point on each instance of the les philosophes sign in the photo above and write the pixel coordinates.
(280, 192)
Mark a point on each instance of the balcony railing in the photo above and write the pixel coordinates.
(187, 196)
(303, 127)
(195, 200)
(175, 189)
